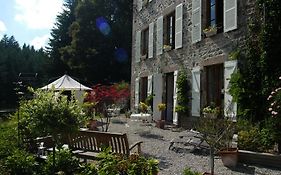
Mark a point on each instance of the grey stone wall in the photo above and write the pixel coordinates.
(206, 52)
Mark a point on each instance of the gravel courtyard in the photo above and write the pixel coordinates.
(156, 143)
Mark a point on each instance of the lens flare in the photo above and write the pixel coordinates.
(103, 26)
(121, 55)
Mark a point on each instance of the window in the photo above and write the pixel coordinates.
(214, 84)
(169, 30)
(143, 89)
(144, 42)
(215, 14)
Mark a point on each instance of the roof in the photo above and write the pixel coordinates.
(66, 83)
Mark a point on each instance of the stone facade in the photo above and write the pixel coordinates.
(209, 51)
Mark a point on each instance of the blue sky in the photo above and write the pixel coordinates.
(29, 21)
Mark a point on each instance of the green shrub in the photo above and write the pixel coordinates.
(134, 165)
(64, 162)
(3, 168)
(20, 163)
(87, 169)
(258, 138)
(8, 138)
(249, 140)
(188, 171)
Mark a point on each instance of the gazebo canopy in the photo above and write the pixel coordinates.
(66, 83)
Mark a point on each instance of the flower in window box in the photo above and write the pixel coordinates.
(210, 31)
(167, 47)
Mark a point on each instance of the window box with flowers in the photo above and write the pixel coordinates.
(210, 31)
(167, 48)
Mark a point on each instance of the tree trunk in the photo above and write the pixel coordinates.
(212, 157)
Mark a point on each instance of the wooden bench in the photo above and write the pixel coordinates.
(87, 144)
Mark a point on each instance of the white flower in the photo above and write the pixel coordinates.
(269, 109)
(269, 97)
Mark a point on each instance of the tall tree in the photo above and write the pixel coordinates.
(15, 60)
(61, 37)
(101, 41)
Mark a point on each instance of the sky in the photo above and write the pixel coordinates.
(29, 21)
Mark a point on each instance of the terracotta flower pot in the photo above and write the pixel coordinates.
(160, 124)
(229, 157)
(93, 125)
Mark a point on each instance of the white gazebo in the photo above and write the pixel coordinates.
(67, 83)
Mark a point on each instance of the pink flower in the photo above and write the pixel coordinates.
(274, 113)
(269, 109)
(272, 104)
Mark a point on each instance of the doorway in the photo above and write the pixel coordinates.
(169, 97)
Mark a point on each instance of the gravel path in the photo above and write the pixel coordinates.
(156, 143)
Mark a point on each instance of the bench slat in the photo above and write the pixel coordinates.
(94, 141)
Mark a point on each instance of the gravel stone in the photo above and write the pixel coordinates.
(156, 144)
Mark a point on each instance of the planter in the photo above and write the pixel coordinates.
(264, 159)
(160, 124)
(167, 48)
(229, 157)
(211, 115)
(210, 33)
(93, 125)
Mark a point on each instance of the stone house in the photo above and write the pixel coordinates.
(196, 35)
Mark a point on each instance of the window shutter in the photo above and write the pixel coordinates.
(138, 50)
(178, 27)
(230, 15)
(150, 40)
(175, 114)
(158, 93)
(159, 42)
(196, 91)
(137, 87)
(196, 21)
(149, 85)
(230, 107)
(139, 5)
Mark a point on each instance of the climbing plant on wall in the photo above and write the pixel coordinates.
(259, 62)
(183, 90)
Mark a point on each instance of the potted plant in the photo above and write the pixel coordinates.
(211, 111)
(218, 133)
(143, 107)
(167, 47)
(228, 154)
(210, 31)
(89, 109)
(161, 123)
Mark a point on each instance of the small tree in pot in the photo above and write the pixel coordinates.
(161, 123)
(217, 133)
